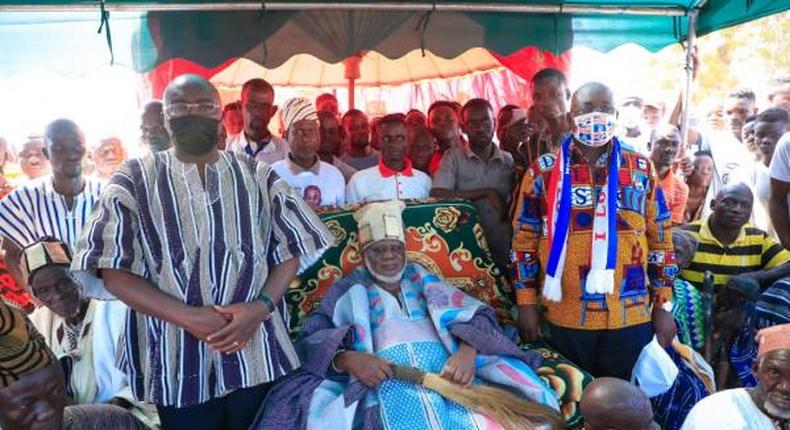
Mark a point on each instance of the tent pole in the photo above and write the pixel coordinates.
(143, 6)
(690, 42)
(352, 73)
(351, 91)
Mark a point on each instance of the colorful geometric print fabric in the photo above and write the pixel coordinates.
(646, 267)
(12, 292)
(689, 312)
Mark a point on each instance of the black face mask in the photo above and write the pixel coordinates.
(159, 143)
(194, 134)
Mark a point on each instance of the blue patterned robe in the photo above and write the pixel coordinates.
(422, 332)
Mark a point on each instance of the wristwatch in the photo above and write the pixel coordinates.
(263, 297)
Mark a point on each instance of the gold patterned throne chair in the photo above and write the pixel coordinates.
(446, 237)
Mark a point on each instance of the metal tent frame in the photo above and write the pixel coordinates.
(378, 6)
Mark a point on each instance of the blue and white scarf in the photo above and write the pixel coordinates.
(600, 279)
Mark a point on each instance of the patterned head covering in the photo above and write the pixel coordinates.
(297, 109)
(22, 349)
(44, 252)
(772, 339)
(379, 221)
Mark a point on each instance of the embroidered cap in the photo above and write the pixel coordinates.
(44, 252)
(297, 109)
(379, 221)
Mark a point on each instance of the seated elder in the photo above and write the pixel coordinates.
(392, 311)
(32, 390)
(764, 407)
(82, 333)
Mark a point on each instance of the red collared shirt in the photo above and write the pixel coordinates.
(386, 172)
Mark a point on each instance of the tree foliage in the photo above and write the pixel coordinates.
(745, 56)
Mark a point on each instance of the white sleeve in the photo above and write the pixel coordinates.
(780, 163)
(340, 185)
(352, 194)
(425, 186)
(109, 320)
(702, 417)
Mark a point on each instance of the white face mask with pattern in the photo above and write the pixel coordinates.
(594, 128)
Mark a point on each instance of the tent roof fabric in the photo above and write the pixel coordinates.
(304, 70)
(145, 39)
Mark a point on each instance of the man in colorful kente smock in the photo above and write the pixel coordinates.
(395, 311)
(593, 230)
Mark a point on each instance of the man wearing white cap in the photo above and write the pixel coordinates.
(393, 311)
(320, 183)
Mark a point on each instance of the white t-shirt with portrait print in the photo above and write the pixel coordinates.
(320, 185)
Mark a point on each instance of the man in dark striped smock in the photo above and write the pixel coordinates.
(202, 244)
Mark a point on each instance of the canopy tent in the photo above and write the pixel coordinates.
(375, 70)
(414, 80)
(146, 34)
(213, 34)
(377, 84)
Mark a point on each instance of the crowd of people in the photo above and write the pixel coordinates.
(148, 292)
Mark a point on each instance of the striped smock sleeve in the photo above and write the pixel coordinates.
(17, 221)
(295, 229)
(111, 237)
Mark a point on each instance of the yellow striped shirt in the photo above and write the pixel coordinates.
(753, 250)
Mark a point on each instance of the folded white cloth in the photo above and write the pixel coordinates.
(654, 372)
